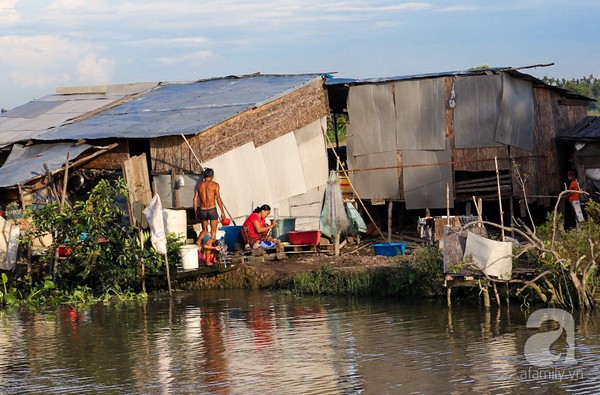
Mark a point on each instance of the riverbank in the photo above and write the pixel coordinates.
(420, 273)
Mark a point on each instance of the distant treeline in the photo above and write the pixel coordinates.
(587, 86)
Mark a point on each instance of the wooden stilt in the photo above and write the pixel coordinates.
(499, 198)
(168, 275)
(448, 296)
(486, 297)
(28, 245)
(496, 294)
(389, 222)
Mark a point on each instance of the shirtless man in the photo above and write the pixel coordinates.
(208, 192)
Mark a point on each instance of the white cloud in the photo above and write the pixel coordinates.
(8, 13)
(154, 15)
(178, 41)
(46, 62)
(92, 70)
(193, 59)
(457, 8)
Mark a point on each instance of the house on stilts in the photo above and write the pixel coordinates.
(263, 135)
(435, 141)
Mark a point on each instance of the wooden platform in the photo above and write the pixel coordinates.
(472, 278)
(294, 249)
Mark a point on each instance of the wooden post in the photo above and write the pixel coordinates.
(339, 161)
(479, 209)
(486, 297)
(448, 296)
(389, 222)
(52, 188)
(65, 180)
(512, 214)
(28, 246)
(447, 204)
(174, 189)
(499, 197)
(142, 263)
(496, 294)
(336, 244)
(168, 275)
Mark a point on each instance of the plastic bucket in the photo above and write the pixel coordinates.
(189, 256)
(284, 225)
(175, 221)
(389, 249)
(231, 236)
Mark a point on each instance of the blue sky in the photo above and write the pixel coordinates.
(47, 44)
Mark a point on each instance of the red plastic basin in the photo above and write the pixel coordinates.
(310, 237)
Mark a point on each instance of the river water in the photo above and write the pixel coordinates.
(259, 342)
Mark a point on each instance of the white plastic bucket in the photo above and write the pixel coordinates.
(175, 221)
(189, 256)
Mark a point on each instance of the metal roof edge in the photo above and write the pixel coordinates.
(512, 71)
(575, 132)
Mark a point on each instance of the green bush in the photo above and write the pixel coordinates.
(420, 274)
(105, 251)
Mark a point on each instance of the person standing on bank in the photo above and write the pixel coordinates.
(574, 196)
(209, 194)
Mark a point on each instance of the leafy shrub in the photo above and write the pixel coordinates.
(105, 251)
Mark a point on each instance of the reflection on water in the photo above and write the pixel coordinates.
(247, 342)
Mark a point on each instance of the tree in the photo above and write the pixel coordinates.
(341, 123)
(586, 86)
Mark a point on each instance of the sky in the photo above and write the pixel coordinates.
(47, 44)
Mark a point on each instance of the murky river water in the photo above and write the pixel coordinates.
(256, 342)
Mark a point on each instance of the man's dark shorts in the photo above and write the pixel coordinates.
(207, 215)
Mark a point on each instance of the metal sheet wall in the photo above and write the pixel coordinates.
(376, 184)
(492, 111)
(372, 118)
(420, 114)
(516, 123)
(276, 173)
(477, 111)
(425, 186)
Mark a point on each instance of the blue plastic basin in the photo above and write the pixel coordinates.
(389, 249)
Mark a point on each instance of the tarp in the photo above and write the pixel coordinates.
(494, 258)
(9, 243)
(154, 214)
(25, 163)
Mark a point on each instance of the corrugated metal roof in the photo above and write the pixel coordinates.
(32, 119)
(25, 163)
(587, 129)
(182, 108)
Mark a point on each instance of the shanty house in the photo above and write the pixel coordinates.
(415, 138)
(262, 134)
(581, 144)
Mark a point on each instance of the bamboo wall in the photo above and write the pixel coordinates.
(259, 125)
(111, 160)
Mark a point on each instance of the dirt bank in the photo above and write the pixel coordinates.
(262, 273)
